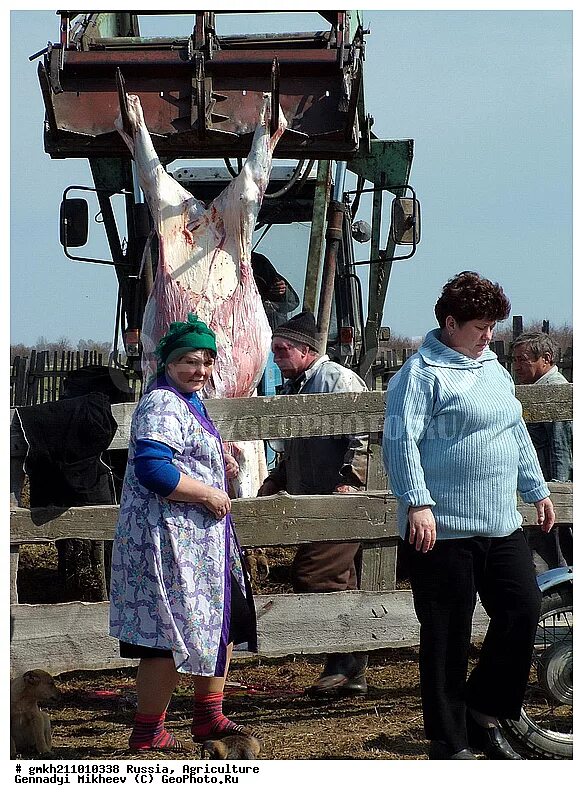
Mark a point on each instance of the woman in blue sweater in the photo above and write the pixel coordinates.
(456, 451)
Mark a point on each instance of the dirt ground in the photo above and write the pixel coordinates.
(93, 717)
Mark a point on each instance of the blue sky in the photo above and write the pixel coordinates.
(486, 96)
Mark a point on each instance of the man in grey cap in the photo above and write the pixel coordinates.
(320, 465)
(533, 356)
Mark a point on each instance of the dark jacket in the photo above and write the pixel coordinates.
(553, 441)
(318, 464)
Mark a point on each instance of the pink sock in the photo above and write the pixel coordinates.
(208, 718)
(149, 733)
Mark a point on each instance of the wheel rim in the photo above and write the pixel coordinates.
(555, 673)
(548, 702)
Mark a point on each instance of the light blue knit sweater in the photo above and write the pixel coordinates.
(454, 439)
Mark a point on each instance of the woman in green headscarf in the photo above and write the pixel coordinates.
(179, 596)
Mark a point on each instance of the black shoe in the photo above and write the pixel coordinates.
(356, 685)
(440, 751)
(344, 673)
(490, 741)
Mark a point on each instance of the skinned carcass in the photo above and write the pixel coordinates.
(204, 265)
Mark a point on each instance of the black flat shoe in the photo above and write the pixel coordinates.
(490, 741)
(440, 751)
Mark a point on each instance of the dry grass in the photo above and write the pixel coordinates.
(93, 718)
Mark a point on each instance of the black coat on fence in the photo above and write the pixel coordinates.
(66, 439)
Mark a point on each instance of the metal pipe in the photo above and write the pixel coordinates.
(333, 238)
(339, 179)
(314, 265)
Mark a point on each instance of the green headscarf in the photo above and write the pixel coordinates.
(185, 336)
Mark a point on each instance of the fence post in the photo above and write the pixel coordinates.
(517, 327)
(62, 373)
(545, 326)
(567, 364)
(499, 347)
(30, 379)
(53, 386)
(19, 387)
(379, 561)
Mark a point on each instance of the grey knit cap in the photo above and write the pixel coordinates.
(301, 329)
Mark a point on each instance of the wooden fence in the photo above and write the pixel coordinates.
(389, 361)
(70, 636)
(38, 378)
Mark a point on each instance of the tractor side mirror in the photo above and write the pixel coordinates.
(74, 222)
(406, 220)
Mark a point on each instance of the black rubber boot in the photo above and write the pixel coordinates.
(344, 673)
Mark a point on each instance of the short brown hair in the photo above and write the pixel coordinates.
(469, 296)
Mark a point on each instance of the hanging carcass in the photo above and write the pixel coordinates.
(204, 265)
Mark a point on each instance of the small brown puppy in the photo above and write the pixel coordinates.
(30, 728)
(256, 563)
(231, 748)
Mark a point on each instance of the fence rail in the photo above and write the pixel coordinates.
(69, 636)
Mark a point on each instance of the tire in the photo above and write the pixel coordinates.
(545, 727)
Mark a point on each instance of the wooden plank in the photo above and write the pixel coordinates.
(54, 377)
(14, 554)
(20, 385)
(379, 566)
(73, 636)
(376, 477)
(281, 519)
(282, 417)
(339, 622)
(541, 405)
(38, 378)
(14, 370)
(251, 418)
(30, 379)
(62, 374)
(379, 560)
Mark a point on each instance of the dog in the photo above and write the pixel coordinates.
(256, 563)
(30, 728)
(231, 748)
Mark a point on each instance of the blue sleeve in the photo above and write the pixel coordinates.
(531, 483)
(409, 412)
(154, 468)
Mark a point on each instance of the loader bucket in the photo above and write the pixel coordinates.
(201, 94)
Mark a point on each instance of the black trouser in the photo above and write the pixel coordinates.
(444, 583)
(551, 550)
